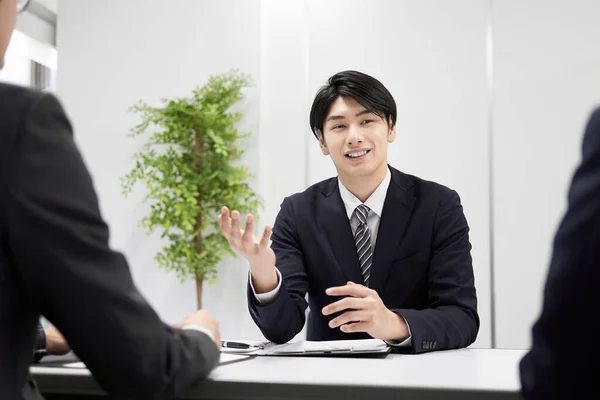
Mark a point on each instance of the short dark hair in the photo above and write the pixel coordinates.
(366, 90)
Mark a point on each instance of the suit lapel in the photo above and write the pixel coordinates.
(397, 209)
(334, 221)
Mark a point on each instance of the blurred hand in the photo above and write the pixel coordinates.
(204, 319)
(259, 254)
(56, 343)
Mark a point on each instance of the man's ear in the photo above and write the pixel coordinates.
(392, 131)
(322, 143)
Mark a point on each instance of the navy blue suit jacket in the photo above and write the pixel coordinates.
(421, 269)
(563, 361)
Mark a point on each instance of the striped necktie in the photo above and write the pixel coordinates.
(362, 238)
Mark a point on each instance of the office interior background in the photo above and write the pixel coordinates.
(492, 100)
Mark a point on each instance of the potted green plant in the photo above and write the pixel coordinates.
(189, 165)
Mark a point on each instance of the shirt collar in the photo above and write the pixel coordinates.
(374, 202)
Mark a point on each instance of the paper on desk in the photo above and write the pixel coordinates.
(230, 350)
(354, 346)
(227, 358)
(75, 365)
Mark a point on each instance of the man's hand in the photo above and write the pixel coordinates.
(55, 342)
(365, 313)
(259, 254)
(204, 319)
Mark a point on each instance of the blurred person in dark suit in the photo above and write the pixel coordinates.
(563, 361)
(55, 261)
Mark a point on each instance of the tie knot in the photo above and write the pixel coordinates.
(361, 212)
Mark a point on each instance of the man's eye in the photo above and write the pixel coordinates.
(338, 127)
(367, 121)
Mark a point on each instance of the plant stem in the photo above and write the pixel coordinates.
(199, 282)
(198, 226)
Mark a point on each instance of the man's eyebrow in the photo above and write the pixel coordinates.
(336, 117)
(363, 112)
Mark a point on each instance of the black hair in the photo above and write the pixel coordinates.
(364, 89)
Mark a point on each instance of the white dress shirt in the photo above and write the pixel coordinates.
(375, 203)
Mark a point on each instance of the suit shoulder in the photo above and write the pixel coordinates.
(311, 193)
(17, 104)
(19, 98)
(18, 101)
(430, 188)
(591, 138)
(595, 115)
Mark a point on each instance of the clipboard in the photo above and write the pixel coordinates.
(355, 348)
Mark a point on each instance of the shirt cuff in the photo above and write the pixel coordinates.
(200, 329)
(406, 342)
(266, 298)
(40, 338)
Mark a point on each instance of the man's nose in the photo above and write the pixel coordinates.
(354, 136)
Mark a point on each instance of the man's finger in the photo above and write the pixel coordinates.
(349, 290)
(225, 222)
(248, 237)
(264, 241)
(346, 303)
(349, 317)
(355, 327)
(236, 234)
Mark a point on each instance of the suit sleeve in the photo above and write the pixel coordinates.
(451, 321)
(39, 345)
(553, 368)
(40, 338)
(284, 317)
(60, 245)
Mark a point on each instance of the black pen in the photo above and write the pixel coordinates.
(235, 345)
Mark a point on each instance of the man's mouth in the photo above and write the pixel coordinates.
(357, 154)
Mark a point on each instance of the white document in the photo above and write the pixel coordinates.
(227, 358)
(79, 365)
(229, 350)
(332, 346)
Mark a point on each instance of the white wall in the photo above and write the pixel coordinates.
(546, 82)
(36, 28)
(284, 96)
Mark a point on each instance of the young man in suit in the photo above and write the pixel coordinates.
(380, 253)
(563, 361)
(55, 261)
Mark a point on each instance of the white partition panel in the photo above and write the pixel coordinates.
(546, 82)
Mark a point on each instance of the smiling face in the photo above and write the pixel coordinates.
(357, 140)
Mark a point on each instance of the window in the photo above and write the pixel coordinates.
(30, 63)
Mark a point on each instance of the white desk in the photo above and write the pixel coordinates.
(458, 374)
